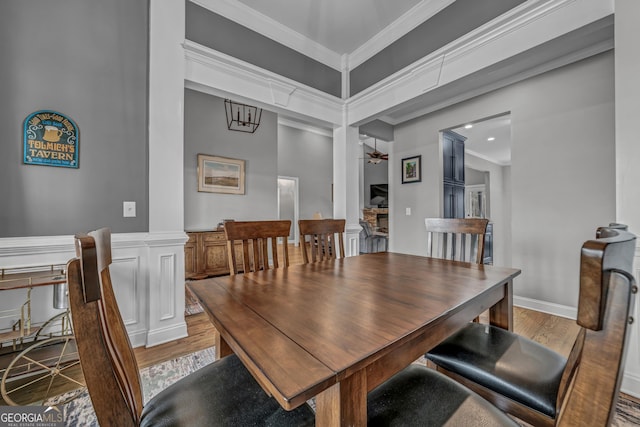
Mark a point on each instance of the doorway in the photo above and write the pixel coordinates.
(288, 204)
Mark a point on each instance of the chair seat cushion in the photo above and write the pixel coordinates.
(419, 396)
(508, 364)
(222, 393)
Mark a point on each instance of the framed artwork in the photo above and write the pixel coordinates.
(220, 174)
(412, 169)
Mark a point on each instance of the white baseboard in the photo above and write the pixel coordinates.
(546, 307)
(164, 335)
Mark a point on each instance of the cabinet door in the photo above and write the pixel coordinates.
(453, 201)
(453, 157)
(458, 201)
(458, 161)
(214, 254)
(190, 249)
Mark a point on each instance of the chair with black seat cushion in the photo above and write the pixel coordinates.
(533, 382)
(419, 396)
(325, 239)
(221, 393)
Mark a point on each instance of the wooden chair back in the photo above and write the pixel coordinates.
(457, 239)
(256, 238)
(106, 356)
(325, 237)
(591, 380)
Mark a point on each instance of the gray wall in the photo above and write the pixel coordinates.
(86, 59)
(212, 30)
(449, 24)
(562, 172)
(308, 156)
(205, 132)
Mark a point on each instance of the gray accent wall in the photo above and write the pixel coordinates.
(452, 22)
(217, 32)
(309, 157)
(205, 132)
(86, 59)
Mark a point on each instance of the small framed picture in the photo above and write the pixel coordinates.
(220, 174)
(412, 169)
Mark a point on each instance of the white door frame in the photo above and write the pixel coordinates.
(296, 207)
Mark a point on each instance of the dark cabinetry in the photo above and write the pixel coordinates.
(453, 179)
(488, 245)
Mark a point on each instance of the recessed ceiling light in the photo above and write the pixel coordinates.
(490, 138)
(469, 126)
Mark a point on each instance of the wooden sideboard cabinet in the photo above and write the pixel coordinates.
(205, 254)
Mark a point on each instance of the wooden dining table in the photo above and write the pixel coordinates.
(335, 330)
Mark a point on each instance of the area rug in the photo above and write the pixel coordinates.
(191, 303)
(156, 378)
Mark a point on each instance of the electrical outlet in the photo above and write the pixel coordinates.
(128, 209)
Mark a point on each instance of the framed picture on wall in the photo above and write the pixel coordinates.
(412, 169)
(220, 174)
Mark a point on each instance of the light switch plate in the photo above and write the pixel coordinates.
(128, 209)
(407, 211)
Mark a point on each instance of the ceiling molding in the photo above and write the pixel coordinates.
(524, 27)
(304, 126)
(210, 71)
(486, 158)
(256, 21)
(398, 28)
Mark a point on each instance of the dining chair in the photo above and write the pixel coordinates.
(221, 393)
(534, 383)
(457, 239)
(369, 239)
(255, 239)
(325, 239)
(418, 396)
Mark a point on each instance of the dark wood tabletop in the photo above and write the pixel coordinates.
(337, 329)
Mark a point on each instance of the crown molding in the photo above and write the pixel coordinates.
(210, 71)
(305, 127)
(398, 28)
(272, 29)
(524, 27)
(487, 158)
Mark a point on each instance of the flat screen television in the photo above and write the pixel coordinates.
(379, 195)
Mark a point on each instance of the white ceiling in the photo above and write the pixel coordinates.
(339, 25)
(499, 149)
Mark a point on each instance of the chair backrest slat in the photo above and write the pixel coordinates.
(325, 239)
(254, 236)
(457, 239)
(106, 356)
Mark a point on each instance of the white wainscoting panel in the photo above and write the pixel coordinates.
(147, 275)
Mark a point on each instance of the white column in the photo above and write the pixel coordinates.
(166, 115)
(627, 103)
(165, 277)
(346, 183)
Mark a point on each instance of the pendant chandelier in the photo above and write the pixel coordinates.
(242, 117)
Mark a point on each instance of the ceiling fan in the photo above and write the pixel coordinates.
(376, 156)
